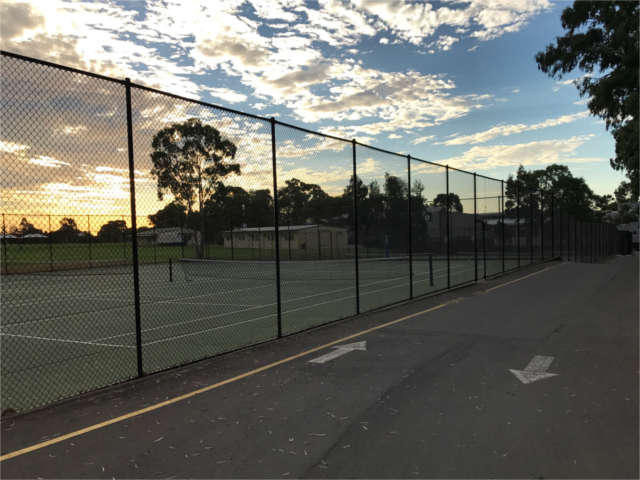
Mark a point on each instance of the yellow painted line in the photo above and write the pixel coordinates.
(150, 408)
(517, 279)
(171, 401)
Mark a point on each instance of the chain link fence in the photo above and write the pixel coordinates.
(142, 230)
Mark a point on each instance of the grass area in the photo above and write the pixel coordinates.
(40, 257)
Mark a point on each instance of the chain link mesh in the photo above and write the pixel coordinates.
(90, 298)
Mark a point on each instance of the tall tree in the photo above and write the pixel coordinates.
(189, 162)
(601, 39)
(455, 204)
(171, 215)
(570, 193)
(25, 228)
(113, 231)
(68, 231)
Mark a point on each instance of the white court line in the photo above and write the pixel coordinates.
(98, 341)
(210, 317)
(306, 307)
(66, 340)
(70, 315)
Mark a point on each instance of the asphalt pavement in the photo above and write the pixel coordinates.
(534, 374)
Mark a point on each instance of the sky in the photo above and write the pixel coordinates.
(453, 82)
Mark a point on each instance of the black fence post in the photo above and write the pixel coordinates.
(531, 228)
(289, 238)
(319, 242)
(134, 230)
(447, 235)
(575, 239)
(541, 226)
(50, 245)
(475, 229)
(553, 229)
(410, 228)
(502, 218)
(275, 223)
(4, 245)
(431, 270)
(518, 221)
(355, 224)
(484, 250)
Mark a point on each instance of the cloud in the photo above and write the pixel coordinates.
(419, 140)
(445, 42)
(515, 91)
(48, 162)
(506, 130)
(484, 19)
(394, 136)
(226, 94)
(473, 49)
(384, 41)
(541, 152)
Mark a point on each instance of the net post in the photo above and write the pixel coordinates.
(182, 241)
(518, 220)
(289, 237)
(4, 245)
(89, 238)
(475, 230)
(355, 224)
(502, 218)
(170, 270)
(231, 241)
(275, 223)
(447, 232)
(50, 245)
(553, 229)
(134, 230)
(410, 227)
(319, 244)
(155, 245)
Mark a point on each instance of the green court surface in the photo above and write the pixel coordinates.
(67, 332)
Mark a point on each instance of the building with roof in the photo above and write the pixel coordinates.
(310, 237)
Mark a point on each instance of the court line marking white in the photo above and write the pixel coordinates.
(66, 340)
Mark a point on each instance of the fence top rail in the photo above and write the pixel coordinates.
(381, 150)
(127, 82)
(313, 132)
(5, 53)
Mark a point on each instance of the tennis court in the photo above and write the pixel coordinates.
(65, 332)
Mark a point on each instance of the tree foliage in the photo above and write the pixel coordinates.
(113, 231)
(173, 214)
(190, 160)
(601, 39)
(454, 202)
(572, 194)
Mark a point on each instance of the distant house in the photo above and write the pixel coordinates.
(168, 236)
(632, 227)
(296, 237)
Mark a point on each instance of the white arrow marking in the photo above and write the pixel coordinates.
(340, 350)
(535, 370)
